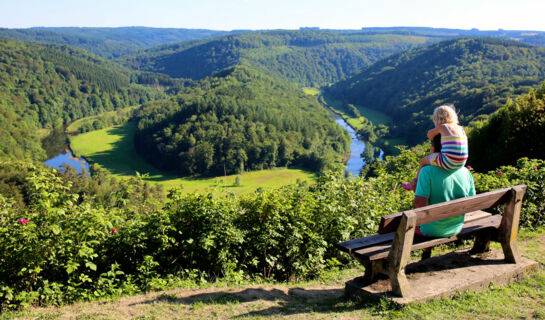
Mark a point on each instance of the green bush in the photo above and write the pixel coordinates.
(60, 243)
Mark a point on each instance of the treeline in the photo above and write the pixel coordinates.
(109, 42)
(101, 121)
(42, 86)
(515, 130)
(307, 57)
(106, 49)
(238, 120)
(477, 75)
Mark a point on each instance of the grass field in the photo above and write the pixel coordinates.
(376, 117)
(318, 299)
(311, 91)
(113, 149)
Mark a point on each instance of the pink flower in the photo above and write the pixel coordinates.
(22, 221)
(535, 168)
(114, 230)
(469, 167)
(500, 173)
(302, 201)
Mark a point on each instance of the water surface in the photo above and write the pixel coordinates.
(67, 158)
(355, 163)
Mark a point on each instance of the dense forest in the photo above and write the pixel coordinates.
(239, 120)
(308, 57)
(476, 74)
(42, 86)
(109, 42)
(516, 130)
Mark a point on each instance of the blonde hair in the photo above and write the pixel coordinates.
(445, 114)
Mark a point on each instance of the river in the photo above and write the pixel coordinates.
(59, 153)
(67, 158)
(355, 163)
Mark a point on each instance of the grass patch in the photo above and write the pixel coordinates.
(113, 149)
(42, 133)
(311, 91)
(376, 117)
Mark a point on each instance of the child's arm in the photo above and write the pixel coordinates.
(433, 132)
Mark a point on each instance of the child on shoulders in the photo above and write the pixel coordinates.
(453, 153)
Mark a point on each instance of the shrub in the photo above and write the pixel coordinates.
(62, 244)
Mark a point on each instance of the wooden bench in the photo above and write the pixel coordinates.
(388, 252)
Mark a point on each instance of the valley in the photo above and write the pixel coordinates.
(218, 157)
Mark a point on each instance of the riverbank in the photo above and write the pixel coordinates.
(387, 145)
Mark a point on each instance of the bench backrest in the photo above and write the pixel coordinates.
(449, 209)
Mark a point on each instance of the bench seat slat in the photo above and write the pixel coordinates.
(357, 244)
(381, 251)
(351, 245)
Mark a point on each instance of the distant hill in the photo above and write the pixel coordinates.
(42, 86)
(526, 36)
(239, 120)
(109, 42)
(476, 74)
(516, 130)
(307, 57)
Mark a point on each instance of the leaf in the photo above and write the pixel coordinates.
(91, 266)
(71, 267)
(55, 229)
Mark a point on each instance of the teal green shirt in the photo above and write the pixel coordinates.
(439, 185)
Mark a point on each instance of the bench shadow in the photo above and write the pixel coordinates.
(294, 301)
(451, 261)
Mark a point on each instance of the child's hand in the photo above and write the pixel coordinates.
(433, 132)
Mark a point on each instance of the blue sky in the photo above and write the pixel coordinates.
(275, 14)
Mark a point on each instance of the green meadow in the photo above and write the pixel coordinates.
(311, 91)
(113, 149)
(376, 117)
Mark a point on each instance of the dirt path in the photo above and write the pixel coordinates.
(257, 301)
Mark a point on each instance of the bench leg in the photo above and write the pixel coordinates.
(482, 242)
(510, 225)
(426, 253)
(372, 269)
(400, 254)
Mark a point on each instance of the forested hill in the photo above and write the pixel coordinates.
(109, 42)
(307, 57)
(239, 120)
(476, 74)
(516, 130)
(43, 86)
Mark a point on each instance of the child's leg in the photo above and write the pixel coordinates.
(423, 162)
